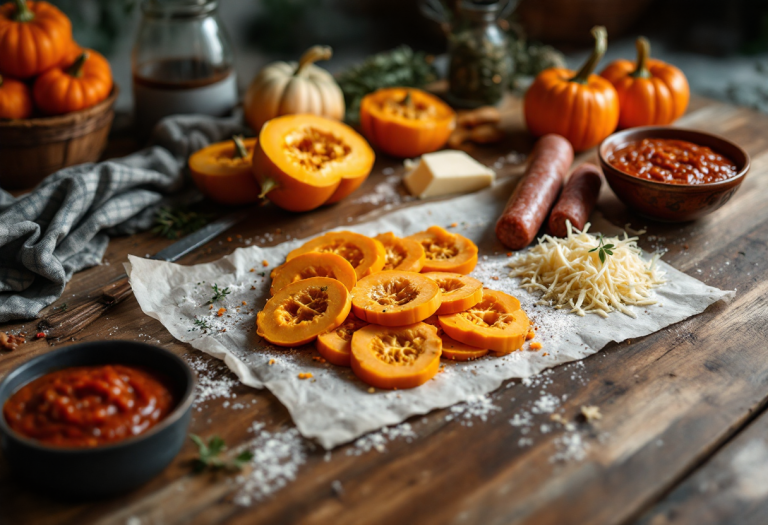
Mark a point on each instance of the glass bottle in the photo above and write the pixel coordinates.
(182, 62)
(480, 62)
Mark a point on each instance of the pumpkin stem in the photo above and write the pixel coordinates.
(407, 100)
(268, 185)
(313, 54)
(601, 43)
(643, 53)
(241, 151)
(76, 69)
(1, 80)
(23, 13)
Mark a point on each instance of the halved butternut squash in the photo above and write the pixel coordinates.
(395, 298)
(396, 357)
(366, 255)
(313, 264)
(222, 171)
(405, 255)
(445, 251)
(301, 161)
(453, 349)
(336, 346)
(301, 311)
(460, 292)
(496, 323)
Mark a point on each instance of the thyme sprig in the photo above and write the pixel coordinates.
(173, 223)
(602, 249)
(202, 324)
(218, 293)
(209, 455)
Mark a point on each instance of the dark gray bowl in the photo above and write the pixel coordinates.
(108, 469)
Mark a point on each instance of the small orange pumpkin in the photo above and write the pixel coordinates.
(34, 36)
(651, 92)
(582, 107)
(223, 171)
(406, 122)
(83, 84)
(15, 99)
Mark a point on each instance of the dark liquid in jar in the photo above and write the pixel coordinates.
(179, 73)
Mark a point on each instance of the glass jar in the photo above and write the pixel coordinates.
(182, 62)
(480, 62)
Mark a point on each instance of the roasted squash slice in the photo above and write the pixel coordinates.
(222, 171)
(453, 349)
(405, 255)
(313, 264)
(366, 255)
(336, 346)
(301, 311)
(301, 160)
(445, 251)
(396, 357)
(496, 323)
(395, 298)
(459, 292)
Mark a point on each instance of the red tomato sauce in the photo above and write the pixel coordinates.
(89, 406)
(672, 162)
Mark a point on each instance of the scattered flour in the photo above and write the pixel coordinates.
(475, 406)
(213, 381)
(379, 439)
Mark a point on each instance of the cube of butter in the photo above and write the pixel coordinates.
(446, 172)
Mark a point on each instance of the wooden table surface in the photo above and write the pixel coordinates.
(683, 437)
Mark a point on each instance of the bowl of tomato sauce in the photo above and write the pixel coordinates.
(95, 419)
(672, 174)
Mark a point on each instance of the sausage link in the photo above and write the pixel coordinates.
(577, 200)
(534, 195)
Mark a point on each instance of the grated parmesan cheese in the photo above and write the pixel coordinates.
(569, 275)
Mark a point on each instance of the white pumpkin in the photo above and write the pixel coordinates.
(288, 88)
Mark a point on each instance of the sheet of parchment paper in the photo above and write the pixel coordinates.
(333, 406)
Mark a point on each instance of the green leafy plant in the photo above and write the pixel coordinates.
(602, 249)
(202, 324)
(172, 223)
(218, 294)
(209, 455)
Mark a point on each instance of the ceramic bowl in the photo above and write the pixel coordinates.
(672, 202)
(108, 469)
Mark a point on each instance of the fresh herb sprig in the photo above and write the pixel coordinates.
(602, 249)
(209, 455)
(218, 293)
(173, 223)
(202, 324)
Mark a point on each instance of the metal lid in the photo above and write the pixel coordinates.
(179, 8)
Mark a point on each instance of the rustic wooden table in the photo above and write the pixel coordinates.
(683, 433)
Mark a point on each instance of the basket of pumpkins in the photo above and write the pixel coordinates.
(56, 98)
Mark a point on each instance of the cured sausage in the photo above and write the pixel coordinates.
(577, 200)
(534, 195)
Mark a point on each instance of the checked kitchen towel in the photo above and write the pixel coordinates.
(63, 226)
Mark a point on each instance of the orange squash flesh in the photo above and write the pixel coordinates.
(301, 311)
(453, 349)
(396, 357)
(366, 255)
(496, 323)
(313, 264)
(395, 298)
(222, 175)
(336, 346)
(445, 251)
(460, 292)
(405, 255)
(301, 160)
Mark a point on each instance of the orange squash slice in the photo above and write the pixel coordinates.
(301, 161)
(313, 264)
(223, 172)
(453, 349)
(366, 255)
(301, 311)
(460, 292)
(336, 346)
(496, 323)
(395, 298)
(405, 255)
(445, 251)
(396, 357)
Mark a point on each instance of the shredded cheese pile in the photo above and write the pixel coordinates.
(569, 275)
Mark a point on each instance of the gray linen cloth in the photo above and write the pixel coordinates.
(63, 225)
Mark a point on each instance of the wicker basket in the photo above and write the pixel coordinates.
(32, 149)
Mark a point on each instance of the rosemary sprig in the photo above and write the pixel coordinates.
(209, 455)
(172, 223)
(218, 293)
(602, 249)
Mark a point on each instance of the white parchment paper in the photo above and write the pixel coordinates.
(334, 407)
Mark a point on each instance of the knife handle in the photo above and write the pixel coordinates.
(66, 323)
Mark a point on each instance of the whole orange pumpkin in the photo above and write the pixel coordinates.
(84, 83)
(15, 99)
(34, 36)
(582, 107)
(651, 92)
